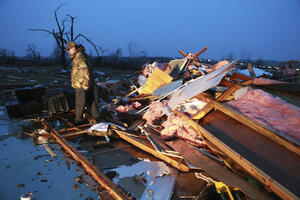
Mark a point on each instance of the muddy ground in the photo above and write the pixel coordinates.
(27, 168)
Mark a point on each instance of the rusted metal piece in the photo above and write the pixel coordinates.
(104, 181)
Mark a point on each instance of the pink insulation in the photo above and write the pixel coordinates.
(175, 126)
(154, 112)
(125, 108)
(217, 66)
(270, 111)
(265, 81)
(220, 64)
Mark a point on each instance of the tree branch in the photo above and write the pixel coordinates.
(67, 36)
(89, 41)
(72, 26)
(40, 29)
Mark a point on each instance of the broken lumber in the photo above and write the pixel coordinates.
(179, 163)
(104, 181)
(273, 178)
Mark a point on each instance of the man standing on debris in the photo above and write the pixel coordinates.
(83, 82)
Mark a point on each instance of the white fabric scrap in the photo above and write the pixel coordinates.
(103, 126)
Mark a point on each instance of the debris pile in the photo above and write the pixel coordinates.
(190, 114)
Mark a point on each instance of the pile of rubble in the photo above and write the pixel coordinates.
(197, 118)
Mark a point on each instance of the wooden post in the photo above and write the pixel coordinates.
(104, 181)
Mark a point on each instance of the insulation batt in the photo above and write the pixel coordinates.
(271, 111)
(133, 106)
(265, 81)
(175, 126)
(154, 113)
(218, 65)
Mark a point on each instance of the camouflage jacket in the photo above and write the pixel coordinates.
(81, 75)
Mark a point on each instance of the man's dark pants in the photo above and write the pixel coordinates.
(87, 98)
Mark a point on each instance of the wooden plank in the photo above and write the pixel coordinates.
(275, 166)
(251, 70)
(248, 82)
(104, 181)
(241, 77)
(216, 170)
(276, 137)
(175, 66)
(142, 97)
(206, 109)
(156, 79)
(69, 136)
(228, 92)
(49, 150)
(226, 83)
(72, 129)
(179, 163)
(244, 163)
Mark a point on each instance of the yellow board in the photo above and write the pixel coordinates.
(175, 67)
(155, 80)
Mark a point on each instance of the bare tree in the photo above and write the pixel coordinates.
(7, 56)
(62, 36)
(33, 52)
(3, 53)
(116, 55)
(134, 50)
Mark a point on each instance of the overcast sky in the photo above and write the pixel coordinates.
(269, 29)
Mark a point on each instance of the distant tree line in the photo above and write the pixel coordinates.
(112, 59)
(7, 56)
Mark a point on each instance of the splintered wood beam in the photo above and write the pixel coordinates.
(200, 52)
(206, 109)
(182, 53)
(244, 163)
(179, 163)
(276, 137)
(49, 150)
(241, 76)
(226, 83)
(65, 130)
(228, 92)
(252, 169)
(73, 135)
(67, 122)
(196, 55)
(114, 190)
(248, 82)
